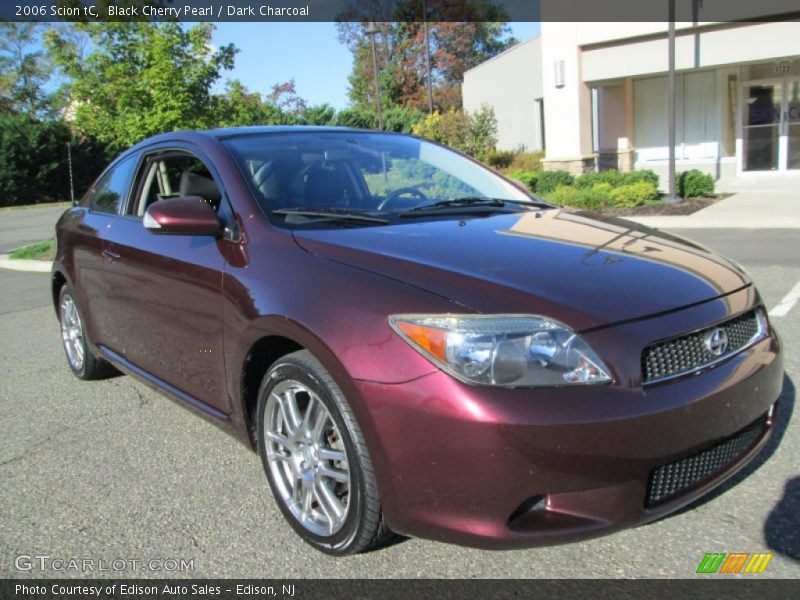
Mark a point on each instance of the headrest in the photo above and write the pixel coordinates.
(193, 184)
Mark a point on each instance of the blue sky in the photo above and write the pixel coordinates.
(310, 53)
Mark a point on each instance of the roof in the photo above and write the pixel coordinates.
(513, 48)
(224, 132)
(214, 135)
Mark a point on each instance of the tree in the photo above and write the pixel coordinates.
(455, 47)
(140, 79)
(24, 69)
(238, 106)
(318, 114)
(284, 96)
(474, 134)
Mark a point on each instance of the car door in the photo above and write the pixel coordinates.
(89, 227)
(167, 306)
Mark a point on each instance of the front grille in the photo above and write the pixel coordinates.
(675, 477)
(688, 353)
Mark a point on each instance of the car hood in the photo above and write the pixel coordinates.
(581, 268)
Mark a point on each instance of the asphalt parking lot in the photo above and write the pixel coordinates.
(111, 470)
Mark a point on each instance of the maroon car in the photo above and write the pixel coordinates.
(413, 343)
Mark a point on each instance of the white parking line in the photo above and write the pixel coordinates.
(784, 306)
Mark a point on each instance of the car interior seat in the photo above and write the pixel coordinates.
(193, 184)
(324, 186)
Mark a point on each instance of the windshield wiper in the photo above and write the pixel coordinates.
(458, 205)
(460, 202)
(330, 213)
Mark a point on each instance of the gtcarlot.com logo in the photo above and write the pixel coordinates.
(734, 562)
(39, 562)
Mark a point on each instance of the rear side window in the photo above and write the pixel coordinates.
(112, 189)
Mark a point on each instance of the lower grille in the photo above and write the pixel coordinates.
(676, 477)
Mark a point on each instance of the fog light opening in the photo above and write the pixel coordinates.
(534, 503)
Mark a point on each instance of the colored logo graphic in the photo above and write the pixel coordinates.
(734, 562)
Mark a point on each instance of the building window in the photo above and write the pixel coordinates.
(698, 116)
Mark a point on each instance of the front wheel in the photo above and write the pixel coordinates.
(316, 460)
(73, 336)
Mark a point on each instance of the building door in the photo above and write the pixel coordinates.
(770, 126)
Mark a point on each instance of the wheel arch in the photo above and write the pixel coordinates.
(57, 281)
(273, 337)
(257, 360)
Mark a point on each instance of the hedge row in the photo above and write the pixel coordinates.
(610, 188)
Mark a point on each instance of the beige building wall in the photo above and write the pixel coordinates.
(723, 44)
(567, 99)
(511, 84)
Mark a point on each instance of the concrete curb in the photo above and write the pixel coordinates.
(33, 266)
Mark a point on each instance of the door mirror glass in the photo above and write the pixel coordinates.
(188, 215)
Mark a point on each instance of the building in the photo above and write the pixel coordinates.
(595, 95)
(517, 98)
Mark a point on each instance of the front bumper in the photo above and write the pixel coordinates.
(504, 468)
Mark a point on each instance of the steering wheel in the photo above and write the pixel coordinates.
(392, 196)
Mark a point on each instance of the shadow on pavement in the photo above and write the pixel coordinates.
(782, 528)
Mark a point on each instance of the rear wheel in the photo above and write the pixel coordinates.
(316, 460)
(73, 336)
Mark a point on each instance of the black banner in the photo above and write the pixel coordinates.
(701, 587)
(695, 11)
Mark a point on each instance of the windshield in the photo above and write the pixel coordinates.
(377, 174)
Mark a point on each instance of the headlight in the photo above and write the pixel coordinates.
(503, 350)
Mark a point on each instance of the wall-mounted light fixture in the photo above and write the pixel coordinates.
(558, 73)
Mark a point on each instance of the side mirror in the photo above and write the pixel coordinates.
(190, 215)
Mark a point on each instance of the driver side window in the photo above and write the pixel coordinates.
(176, 175)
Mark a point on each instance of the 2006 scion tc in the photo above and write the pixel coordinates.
(413, 343)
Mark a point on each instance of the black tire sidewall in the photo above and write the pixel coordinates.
(291, 368)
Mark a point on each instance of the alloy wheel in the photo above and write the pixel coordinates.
(306, 458)
(72, 332)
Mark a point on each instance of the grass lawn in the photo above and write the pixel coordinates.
(37, 251)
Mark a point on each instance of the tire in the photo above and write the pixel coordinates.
(73, 338)
(316, 461)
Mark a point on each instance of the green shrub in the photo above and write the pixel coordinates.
(588, 180)
(548, 181)
(641, 175)
(318, 114)
(585, 198)
(694, 183)
(356, 117)
(529, 178)
(633, 194)
(615, 178)
(401, 119)
(527, 161)
(500, 159)
(474, 133)
(602, 194)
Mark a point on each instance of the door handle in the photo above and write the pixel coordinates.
(110, 256)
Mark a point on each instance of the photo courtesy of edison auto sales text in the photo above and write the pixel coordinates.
(138, 590)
